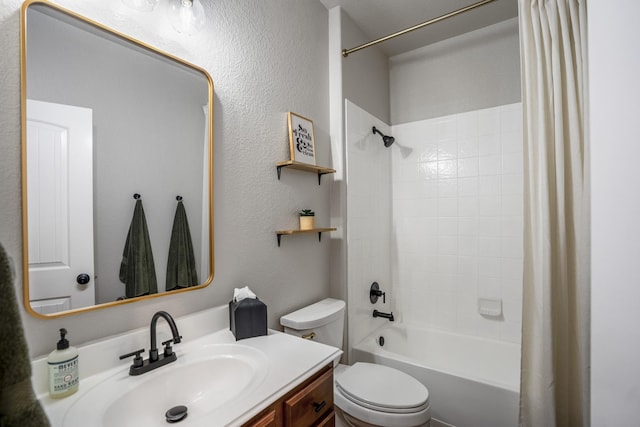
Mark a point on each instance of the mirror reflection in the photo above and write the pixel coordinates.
(108, 118)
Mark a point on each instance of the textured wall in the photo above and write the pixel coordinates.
(265, 58)
(480, 69)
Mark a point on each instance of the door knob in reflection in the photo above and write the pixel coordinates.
(83, 278)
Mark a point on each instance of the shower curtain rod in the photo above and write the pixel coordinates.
(346, 52)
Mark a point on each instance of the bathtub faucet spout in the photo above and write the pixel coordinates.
(389, 316)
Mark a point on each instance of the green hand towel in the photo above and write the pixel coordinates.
(18, 404)
(181, 264)
(137, 269)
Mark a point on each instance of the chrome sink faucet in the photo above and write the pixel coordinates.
(154, 361)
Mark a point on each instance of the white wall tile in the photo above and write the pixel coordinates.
(447, 149)
(512, 142)
(512, 205)
(489, 246)
(468, 226)
(447, 187)
(458, 220)
(489, 226)
(489, 266)
(468, 266)
(427, 170)
(512, 247)
(489, 205)
(448, 206)
(512, 226)
(490, 165)
(512, 184)
(467, 186)
(447, 245)
(512, 268)
(467, 285)
(489, 287)
(468, 206)
(489, 145)
(512, 163)
(468, 246)
(468, 167)
(467, 147)
(448, 226)
(489, 185)
(447, 264)
(447, 169)
(427, 152)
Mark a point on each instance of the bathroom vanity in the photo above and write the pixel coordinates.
(310, 404)
(272, 380)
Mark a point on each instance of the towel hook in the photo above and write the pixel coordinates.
(178, 198)
(136, 196)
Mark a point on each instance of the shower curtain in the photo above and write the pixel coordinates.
(555, 323)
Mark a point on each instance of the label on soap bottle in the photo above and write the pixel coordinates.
(63, 376)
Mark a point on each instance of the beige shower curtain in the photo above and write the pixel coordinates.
(555, 323)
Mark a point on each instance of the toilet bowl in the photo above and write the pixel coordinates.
(365, 394)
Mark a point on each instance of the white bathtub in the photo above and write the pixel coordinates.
(472, 382)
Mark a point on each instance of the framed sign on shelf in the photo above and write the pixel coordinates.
(301, 140)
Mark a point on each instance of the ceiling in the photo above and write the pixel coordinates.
(378, 18)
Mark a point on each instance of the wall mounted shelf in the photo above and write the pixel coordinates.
(292, 164)
(281, 233)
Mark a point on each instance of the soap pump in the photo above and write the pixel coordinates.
(64, 378)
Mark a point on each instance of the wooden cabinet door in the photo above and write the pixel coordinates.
(310, 404)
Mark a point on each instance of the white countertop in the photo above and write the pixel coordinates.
(290, 360)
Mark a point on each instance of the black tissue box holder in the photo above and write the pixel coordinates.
(248, 318)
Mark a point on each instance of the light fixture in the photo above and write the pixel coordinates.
(186, 16)
(141, 5)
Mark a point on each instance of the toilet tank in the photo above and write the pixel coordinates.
(323, 322)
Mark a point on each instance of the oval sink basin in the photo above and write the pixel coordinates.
(202, 381)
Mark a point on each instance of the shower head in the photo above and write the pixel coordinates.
(388, 140)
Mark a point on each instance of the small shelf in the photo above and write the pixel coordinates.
(281, 233)
(292, 164)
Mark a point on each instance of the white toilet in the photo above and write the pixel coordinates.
(365, 394)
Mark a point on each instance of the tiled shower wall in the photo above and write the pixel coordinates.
(457, 221)
(368, 220)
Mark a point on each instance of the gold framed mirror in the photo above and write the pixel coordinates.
(105, 117)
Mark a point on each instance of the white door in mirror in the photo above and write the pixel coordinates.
(60, 206)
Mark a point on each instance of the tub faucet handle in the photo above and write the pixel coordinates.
(375, 293)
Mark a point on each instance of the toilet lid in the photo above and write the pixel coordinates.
(382, 388)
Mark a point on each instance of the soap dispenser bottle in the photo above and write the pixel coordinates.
(64, 378)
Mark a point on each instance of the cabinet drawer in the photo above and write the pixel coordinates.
(270, 417)
(329, 421)
(265, 420)
(312, 403)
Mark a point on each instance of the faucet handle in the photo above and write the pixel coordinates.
(137, 360)
(375, 293)
(168, 351)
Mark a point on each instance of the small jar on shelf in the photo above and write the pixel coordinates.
(307, 219)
